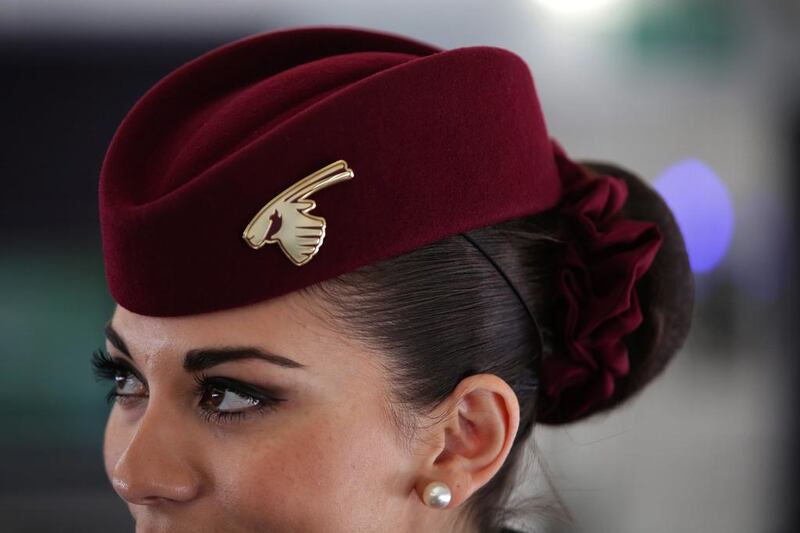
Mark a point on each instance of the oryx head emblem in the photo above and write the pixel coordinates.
(285, 219)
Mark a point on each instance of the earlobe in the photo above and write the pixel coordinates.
(475, 432)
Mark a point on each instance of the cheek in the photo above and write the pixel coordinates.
(333, 473)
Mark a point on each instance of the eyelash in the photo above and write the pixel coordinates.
(107, 369)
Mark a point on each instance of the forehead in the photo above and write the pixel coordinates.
(293, 325)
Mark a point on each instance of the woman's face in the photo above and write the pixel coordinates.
(323, 457)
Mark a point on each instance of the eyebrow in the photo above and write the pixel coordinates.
(202, 358)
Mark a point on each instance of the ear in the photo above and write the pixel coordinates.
(472, 436)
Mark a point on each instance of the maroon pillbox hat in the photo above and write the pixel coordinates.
(289, 157)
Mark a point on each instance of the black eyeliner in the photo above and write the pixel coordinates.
(239, 387)
(107, 367)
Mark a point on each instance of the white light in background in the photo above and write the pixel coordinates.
(591, 16)
(577, 7)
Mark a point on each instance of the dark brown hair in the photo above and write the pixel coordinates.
(442, 313)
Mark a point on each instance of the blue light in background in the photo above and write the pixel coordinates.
(703, 209)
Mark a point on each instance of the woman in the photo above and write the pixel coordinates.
(352, 272)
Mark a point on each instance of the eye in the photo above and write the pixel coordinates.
(223, 399)
(220, 399)
(230, 400)
(127, 385)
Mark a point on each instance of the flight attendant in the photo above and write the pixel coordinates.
(352, 272)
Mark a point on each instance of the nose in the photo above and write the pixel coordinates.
(156, 465)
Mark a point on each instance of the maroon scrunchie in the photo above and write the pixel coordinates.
(596, 290)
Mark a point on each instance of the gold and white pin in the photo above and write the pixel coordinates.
(285, 219)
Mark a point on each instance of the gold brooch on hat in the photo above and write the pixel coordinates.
(286, 220)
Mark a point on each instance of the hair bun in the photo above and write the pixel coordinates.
(606, 254)
(665, 292)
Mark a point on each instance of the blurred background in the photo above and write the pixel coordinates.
(702, 98)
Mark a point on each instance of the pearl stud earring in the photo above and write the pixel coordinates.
(437, 494)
